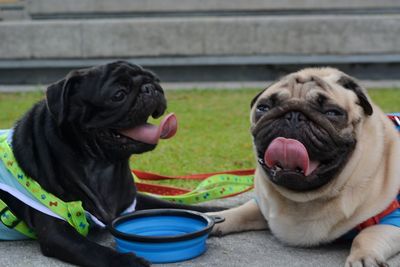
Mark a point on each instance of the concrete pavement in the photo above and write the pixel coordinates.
(255, 249)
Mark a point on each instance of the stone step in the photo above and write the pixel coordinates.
(215, 69)
(200, 40)
(201, 36)
(45, 9)
(13, 10)
(202, 48)
(232, 85)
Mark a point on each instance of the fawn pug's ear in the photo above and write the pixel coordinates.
(350, 84)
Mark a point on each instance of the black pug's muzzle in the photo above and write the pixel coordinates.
(105, 110)
(298, 148)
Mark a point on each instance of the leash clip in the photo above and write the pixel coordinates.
(397, 120)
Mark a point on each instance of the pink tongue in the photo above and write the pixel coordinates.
(150, 134)
(290, 154)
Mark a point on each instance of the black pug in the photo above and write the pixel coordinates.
(76, 144)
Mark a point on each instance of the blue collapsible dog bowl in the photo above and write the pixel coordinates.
(163, 235)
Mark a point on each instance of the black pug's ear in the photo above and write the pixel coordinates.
(57, 95)
(352, 85)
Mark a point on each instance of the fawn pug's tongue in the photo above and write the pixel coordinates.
(285, 154)
(150, 134)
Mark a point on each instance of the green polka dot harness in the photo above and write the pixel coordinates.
(72, 212)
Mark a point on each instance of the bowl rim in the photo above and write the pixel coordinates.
(161, 212)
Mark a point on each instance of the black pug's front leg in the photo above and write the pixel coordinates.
(60, 240)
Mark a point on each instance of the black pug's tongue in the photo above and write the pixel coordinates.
(150, 134)
(289, 154)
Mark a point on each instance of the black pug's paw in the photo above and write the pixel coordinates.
(129, 260)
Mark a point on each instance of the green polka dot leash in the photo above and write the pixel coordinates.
(72, 212)
(199, 187)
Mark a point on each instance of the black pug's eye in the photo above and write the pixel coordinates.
(119, 96)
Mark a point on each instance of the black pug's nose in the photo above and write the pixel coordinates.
(151, 90)
(295, 117)
(147, 88)
(158, 112)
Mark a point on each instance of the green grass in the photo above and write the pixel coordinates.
(213, 134)
(12, 106)
(388, 100)
(213, 130)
